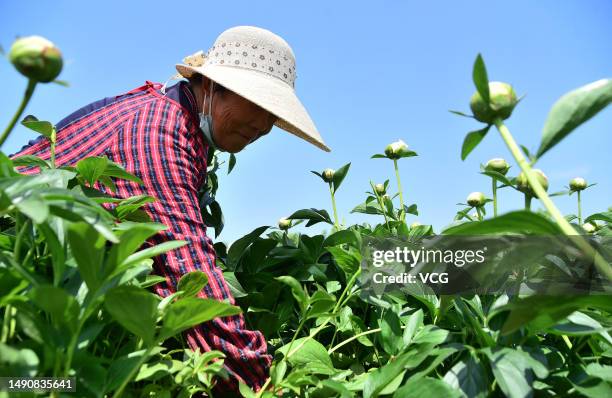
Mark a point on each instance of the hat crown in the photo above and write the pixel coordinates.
(256, 49)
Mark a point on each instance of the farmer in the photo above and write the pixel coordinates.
(233, 95)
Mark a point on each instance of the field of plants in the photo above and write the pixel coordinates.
(75, 278)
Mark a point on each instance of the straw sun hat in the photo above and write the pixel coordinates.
(259, 66)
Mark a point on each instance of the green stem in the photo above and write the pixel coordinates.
(125, 382)
(26, 98)
(345, 342)
(6, 323)
(381, 204)
(564, 225)
(53, 151)
(399, 189)
(479, 212)
(494, 197)
(527, 202)
(579, 209)
(331, 191)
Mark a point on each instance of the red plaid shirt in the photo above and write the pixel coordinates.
(156, 137)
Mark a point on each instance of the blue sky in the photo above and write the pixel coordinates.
(368, 73)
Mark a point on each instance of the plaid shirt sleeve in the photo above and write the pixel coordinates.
(158, 141)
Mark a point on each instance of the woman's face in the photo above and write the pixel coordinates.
(236, 121)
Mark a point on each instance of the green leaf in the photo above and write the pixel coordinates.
(188, 312)
(16, 362)
(45, 128)
(541, 312)
(297, 290)
(391, 333)
(528, 154)
(62, 83)
(430, 334)
(232, 163)
(414, 323)
(343, 236)
(58, 257)
(407, 154)
(135, 309)
(426, 387)
(62, 307)
(234, 285)
(370, 206)
(152, 252)
(132, 236)
(379, 379)
(116, 170)
(603, 372)
(468, 376)
(513, 222)
(92, 168)
(348, 260)
(131, 204)
(461, 114)
(578, 324)
(313, 216)
(412, 209)
(34, 207)
(471, 140)
(87, 247)
(480, 78)
(379, 156)
(311, 355)
(31, 160)
(513, 371)
(237, 248)
(604, 216)
(497, 176)
(192, 283)
(573, 109)
(339, 176)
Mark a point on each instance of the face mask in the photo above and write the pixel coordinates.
(206, 122)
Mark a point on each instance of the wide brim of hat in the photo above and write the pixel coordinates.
(268, 92)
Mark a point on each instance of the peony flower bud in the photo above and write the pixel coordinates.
(590, 227)
(284, 224)
(502, 102)
(328, 175)
(380, 189)
(498, 164)
(396, 149)
(578, 184)
(523, 184)
(476, 199)
(36, 58)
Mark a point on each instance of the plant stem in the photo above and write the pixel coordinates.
(399, 189)
(26, 98)
(564, 225)
(53, 152)
(527, 202)
(353, 338)
(381, 204)
(6, 323)
(331, 191)
(579, 209)
(494, 197)
(479, 212)
(144, 357)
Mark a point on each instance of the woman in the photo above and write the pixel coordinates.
(234, 95)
